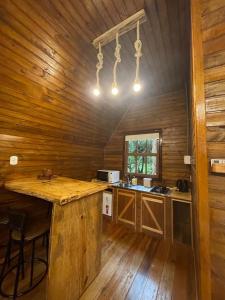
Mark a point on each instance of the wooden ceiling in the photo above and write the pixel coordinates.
(164, 37)
(49, 43)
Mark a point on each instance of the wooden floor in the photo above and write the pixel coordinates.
(137, 267)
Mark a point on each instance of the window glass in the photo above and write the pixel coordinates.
(132, 146)
(131, 164)
(141, 146)
(151, 165)
(141, 165)
(142, 154)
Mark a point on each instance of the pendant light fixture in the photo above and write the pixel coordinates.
(99, 66)
(138, 54)
(115, 89)
(131, 23)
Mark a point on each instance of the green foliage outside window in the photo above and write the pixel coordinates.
(142, 157)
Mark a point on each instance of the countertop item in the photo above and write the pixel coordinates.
(59, 190)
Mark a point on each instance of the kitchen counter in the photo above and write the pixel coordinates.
(59, 190)
(140, 188)
(75, 233)
(181, 196)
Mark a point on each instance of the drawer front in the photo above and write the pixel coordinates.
(126, 207)
(153, 214)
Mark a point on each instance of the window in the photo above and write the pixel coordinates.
(142, 154)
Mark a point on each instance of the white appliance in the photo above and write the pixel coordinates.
(110, 176)
(107, 203)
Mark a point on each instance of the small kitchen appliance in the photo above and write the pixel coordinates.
(160, 189)
(110, 176)
(182, 185)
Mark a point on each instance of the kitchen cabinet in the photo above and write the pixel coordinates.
(126, 207)
(141, 211)
(152, 214)
(181, 216)
(168, 217)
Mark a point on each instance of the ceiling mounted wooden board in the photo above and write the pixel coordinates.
(122, 28)
(164, 43)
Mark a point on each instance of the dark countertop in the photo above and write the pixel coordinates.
(141, 188)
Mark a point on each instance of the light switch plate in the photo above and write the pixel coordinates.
(187, 159)
(13, 160)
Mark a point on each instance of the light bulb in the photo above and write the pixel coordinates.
(136, 86)
(115, 89)
(96, 91)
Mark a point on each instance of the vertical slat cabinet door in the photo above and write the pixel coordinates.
(126, 207)
(152, 215)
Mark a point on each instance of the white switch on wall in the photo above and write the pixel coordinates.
(187, 159)
(13, 160)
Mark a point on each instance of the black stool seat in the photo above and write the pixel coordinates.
(32, 230)
(22, 231)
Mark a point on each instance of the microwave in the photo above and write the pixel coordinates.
(110, 176)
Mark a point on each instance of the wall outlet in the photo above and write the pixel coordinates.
(13, 160)
(217, 161)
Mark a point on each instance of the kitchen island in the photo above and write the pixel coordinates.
(75, 234)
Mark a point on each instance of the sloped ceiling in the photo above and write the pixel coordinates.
(48, 59)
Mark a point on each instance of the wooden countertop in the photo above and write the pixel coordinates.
(59, 190)
(180, 196)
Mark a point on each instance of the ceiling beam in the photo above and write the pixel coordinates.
(122, 28)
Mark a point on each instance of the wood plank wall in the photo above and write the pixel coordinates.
(199, 157)
(213, 24)
(47, 117)
(167, 112)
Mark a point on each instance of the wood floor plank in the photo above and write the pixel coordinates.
(184, 276)
(138, 267)
(155, 272)
(141, 277)
(126, 270)
(166, 282)
(108, 270)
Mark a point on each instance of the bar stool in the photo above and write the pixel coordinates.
(4, 220)
(21, 232)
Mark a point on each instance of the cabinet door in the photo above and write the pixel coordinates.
(126, 207)
(152, 214)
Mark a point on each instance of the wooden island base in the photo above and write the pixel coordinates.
(75, 234)
(75, 247)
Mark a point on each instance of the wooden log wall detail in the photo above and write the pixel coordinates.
(167, 112)
(47, 117)
(47, 66)
(213, 24)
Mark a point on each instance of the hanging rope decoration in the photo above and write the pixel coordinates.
(107, 37)
(99, 66)
(117, 61)
(138, 55)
